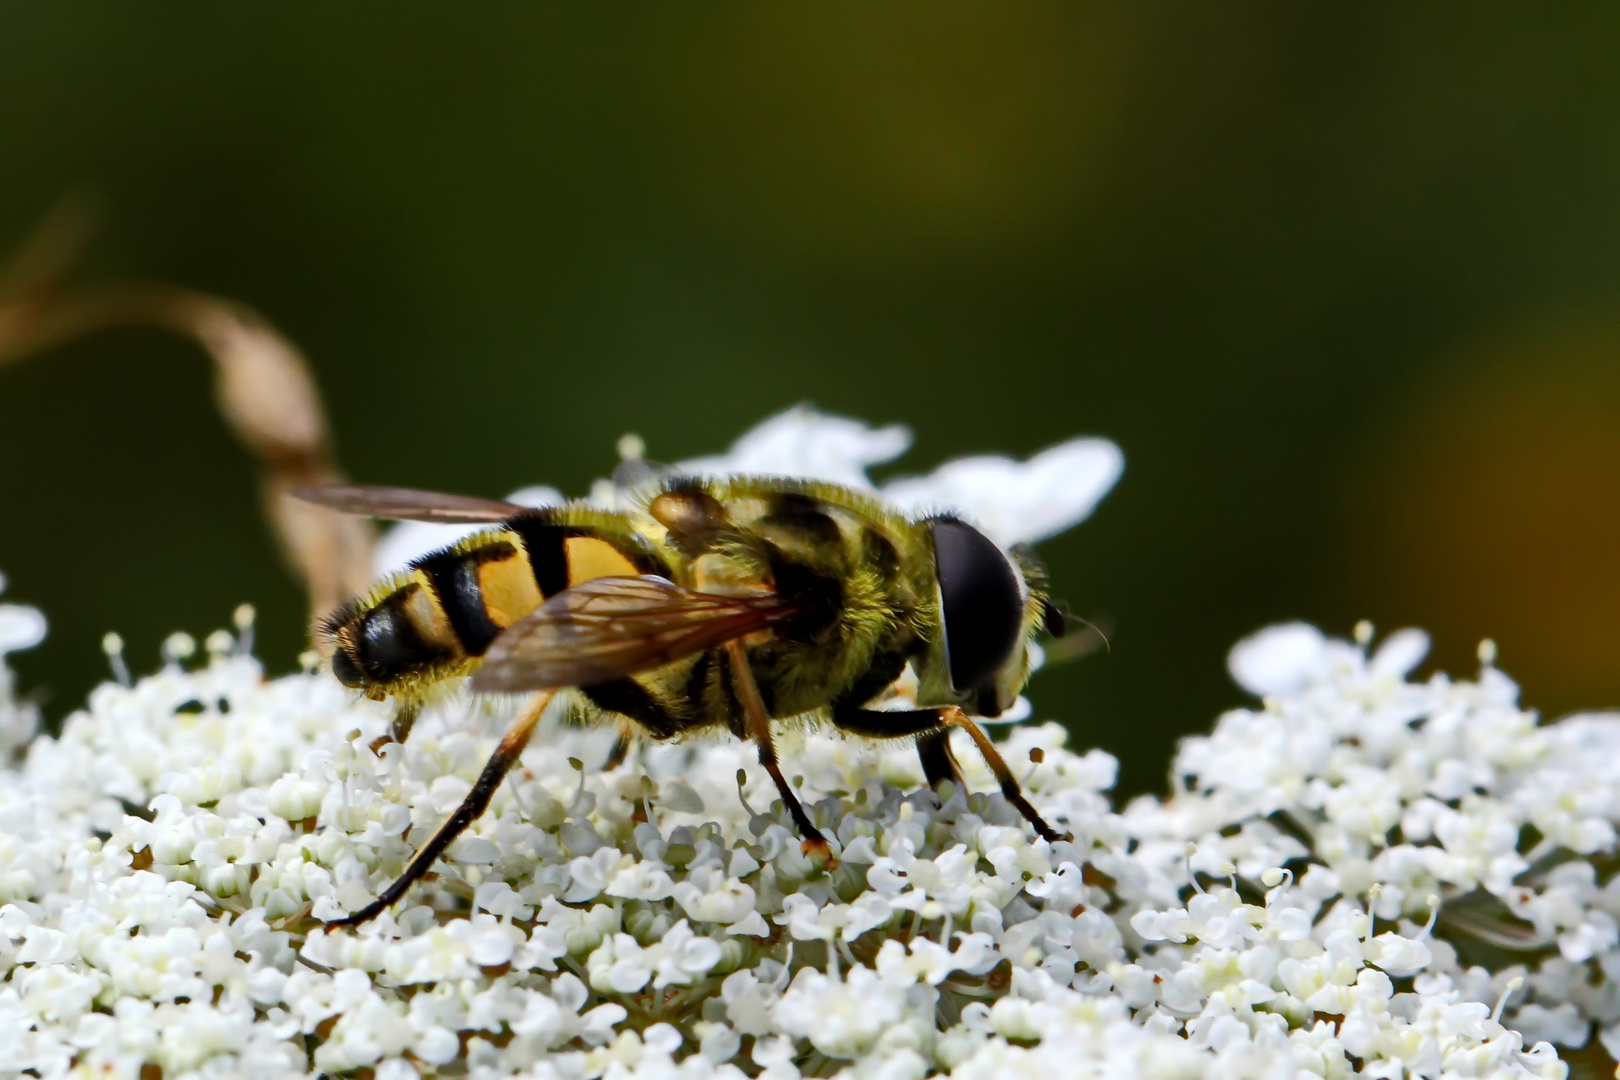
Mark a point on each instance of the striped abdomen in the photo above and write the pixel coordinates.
(433, 620)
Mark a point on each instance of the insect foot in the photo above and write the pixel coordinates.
(818, 849)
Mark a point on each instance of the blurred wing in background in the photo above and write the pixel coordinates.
(407, 504)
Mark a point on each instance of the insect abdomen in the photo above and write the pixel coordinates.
(431, 622)
(385, 641)
(481, 591)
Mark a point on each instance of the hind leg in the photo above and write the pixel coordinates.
(470, 810)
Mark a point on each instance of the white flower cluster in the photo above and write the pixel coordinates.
(1365, 875)
(1485, 840)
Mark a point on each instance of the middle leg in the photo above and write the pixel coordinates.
(759, 730)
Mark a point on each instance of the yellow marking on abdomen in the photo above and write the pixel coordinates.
(590, 558)
(427, 617)
(508, 589)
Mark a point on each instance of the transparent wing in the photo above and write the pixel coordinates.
(629, 474)
(408, 504)
(608, 627)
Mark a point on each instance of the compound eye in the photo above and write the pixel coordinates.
(983, 607)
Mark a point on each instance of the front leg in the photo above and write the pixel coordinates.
(933, 737)
(932, 728)
(938, 763)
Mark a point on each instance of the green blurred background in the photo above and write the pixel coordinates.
(1343, 281)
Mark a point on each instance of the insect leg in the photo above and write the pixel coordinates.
(759, 729)
(470, 810)
(954, 717)
(933, 738)
(934, 751)
(405, 715)
(621, 748)
(932, 728)
(399, 728)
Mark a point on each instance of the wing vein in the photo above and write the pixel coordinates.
(610, 627)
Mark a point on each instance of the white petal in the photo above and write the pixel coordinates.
(412, 539)
(1278, 659)
(804, 442)
(1018, 501)
(20, 628)
(1399, 654)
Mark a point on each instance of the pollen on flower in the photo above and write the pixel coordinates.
(1359, 873)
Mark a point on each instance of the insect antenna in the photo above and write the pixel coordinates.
(1070, 646)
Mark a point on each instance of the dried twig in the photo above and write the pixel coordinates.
(262, 385)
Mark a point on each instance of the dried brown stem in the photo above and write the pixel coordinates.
(262, 385)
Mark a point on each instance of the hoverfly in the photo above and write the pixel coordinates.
(719, 603)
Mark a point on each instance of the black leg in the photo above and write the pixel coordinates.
(759, 730)
(628, 698)
(470, 810)
(934, 750)
(886, 723)
(933, 737)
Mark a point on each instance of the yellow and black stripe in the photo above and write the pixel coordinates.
(435, 619)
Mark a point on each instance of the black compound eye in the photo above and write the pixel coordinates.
(984, 611)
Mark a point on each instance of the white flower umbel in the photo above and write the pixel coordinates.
(1361, 874)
